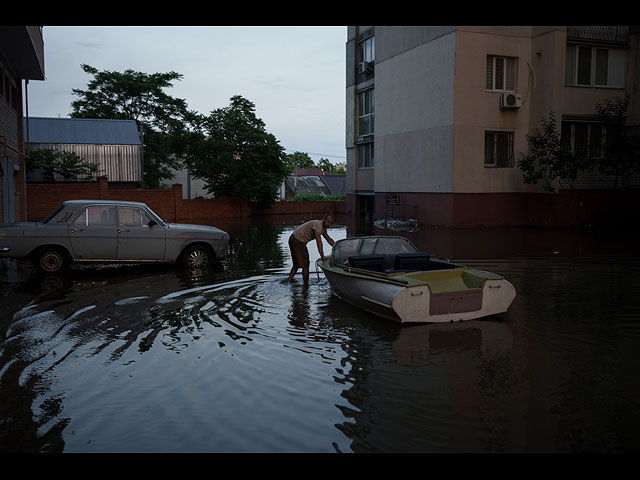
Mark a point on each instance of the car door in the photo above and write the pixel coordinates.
(137, 239)
(93, 234)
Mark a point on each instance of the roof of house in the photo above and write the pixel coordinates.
(307, 184)
(82, 130)
(336, 183)
(307, 171)
(322, 184)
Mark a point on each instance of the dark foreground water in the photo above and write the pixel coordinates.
(154, 359)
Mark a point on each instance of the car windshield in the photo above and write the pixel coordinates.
(386, 246)
(154, 216)
(59, 215)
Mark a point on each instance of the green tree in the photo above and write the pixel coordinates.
(300, 160)
(66, 164)
(235, 155)
(329, 168)
(548, 160)
(141, 97)
(620, 151)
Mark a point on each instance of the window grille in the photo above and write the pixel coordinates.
(498, 149)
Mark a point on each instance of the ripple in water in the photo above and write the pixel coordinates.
(243, 365)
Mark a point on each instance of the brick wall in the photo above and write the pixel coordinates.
(312, 209)
(42, 198)
(11, 143)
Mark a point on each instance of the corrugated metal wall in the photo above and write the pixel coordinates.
(119, 163)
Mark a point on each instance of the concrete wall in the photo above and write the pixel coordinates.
(414, 109)
(477, 110)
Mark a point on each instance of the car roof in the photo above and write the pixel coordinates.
(80, 203)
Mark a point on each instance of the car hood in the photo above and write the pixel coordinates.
(19, 225)
(17, 228)
(206, 229)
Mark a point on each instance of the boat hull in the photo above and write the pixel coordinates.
(369, 294)
(423, 297)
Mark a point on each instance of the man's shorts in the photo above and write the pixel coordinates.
(299, 253)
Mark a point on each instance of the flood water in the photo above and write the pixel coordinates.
(155, 359)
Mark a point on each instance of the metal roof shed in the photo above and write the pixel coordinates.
(114, 145)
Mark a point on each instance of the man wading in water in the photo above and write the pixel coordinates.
(298, 244)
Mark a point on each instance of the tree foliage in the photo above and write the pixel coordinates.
(66, 164)
(138, 96)
(300, 160)
(229, 148)
(329, 168)
(620, 151)
(232, 151)
(548, 160)
(303, 160)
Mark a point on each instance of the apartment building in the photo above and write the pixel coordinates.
(21, 59)
(437, 117)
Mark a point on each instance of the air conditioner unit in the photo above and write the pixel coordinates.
(365, 67)
(510, 100)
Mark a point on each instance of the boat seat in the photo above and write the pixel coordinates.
(405, 262)
(367, 262)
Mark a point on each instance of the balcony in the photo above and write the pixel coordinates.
(599, 34)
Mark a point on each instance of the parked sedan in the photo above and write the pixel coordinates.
(104, 231)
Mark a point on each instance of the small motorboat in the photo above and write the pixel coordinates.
(389, 277)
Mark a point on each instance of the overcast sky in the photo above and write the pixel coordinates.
(295, 76)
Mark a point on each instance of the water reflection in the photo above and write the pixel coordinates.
(157, 359)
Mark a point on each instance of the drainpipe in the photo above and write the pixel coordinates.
(141, 133)
(26, 106)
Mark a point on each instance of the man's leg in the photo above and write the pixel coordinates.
(305, 274)
(292, 273)
(294, 259)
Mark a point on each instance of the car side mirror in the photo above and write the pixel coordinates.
(152, 223)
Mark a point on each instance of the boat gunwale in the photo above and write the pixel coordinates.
(412, 278)
(366, 273)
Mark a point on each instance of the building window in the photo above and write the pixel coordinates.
(583, 139)
(367, 50)
(594, 66)
(498, 149)
(365, 155)
(366, 112)
(501, 73)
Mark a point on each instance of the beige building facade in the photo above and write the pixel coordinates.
(438, 117)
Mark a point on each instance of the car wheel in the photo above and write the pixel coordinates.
(197, 256)
(51, 260)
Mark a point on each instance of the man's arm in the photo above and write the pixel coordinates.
(319, 243)
(329, 239)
